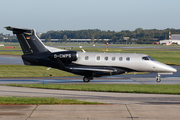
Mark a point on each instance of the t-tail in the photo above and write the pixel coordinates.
(36, 53)
(33, 48)
(28, 40)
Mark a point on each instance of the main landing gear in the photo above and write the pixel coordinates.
(87, 79)
(158, 78)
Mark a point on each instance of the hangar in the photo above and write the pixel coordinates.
(173, 39)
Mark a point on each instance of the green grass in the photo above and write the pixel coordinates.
(30, 71)
(39, 101)
(15, 51)
(11, 52)
(122, 88)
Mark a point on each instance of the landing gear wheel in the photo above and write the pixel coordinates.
(158, 78)
(86, 79)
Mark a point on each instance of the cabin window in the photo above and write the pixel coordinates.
(113, 58)
(106, 58)
(120, 58)
(98, 58)
(145, 58)
(87, 58)
(128, 59)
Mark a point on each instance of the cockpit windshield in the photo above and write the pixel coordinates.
(148, 58)
(151, 58)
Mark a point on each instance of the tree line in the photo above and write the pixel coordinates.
(7, 38)
(139, 35)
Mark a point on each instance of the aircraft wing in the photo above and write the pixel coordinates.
(88, 70)
(95, 69)
(91, 69)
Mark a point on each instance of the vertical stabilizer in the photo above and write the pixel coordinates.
(28, 40)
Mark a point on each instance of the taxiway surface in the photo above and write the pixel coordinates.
(102, 97)
(105, 97)
(89, 112)
(124, 106)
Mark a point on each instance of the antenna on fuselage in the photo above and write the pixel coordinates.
(83, 51)
(48, 68)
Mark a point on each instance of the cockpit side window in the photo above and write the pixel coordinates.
(148, 58)
(145, 58)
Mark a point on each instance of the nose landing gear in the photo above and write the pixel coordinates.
(158, 78)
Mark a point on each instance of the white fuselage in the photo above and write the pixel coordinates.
(131, 61)
(125, 60)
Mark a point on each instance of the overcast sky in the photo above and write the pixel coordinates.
(117, 15)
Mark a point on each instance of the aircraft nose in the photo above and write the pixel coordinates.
(173, 69)
(170, 69)
(164, 68)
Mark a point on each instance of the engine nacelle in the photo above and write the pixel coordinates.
(64, 55)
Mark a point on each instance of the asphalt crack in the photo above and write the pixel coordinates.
(32, 112)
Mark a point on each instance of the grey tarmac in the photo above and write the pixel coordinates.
(103, 97)
(123, 106)
(90, 112)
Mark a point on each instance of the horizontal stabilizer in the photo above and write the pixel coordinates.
(19, 30)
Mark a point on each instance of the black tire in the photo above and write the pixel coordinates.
(86, 79)
(158, 80)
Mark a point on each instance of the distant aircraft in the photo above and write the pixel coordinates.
(89, 65)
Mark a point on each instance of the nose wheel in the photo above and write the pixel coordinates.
(158, 78)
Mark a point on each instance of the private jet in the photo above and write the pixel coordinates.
(83, 63)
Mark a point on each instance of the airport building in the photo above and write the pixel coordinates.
(173, 39)
(77, 40)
